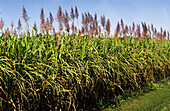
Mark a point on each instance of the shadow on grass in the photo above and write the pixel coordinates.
(115, 102)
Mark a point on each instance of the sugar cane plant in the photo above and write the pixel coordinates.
(49, 70)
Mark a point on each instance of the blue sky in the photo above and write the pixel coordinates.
(149, 11)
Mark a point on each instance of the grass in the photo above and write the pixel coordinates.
(39, 70)
(75, 69)
(0, 103)
(155, 100)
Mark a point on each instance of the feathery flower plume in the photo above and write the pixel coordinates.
(138, 31)
(59, 18)
(66, 15)
(53, 30)
(51, 18)
(67, 27)
(12, 24)
(161, 30)
(164, 35)
(123, 28)
(103, 21)
(158, 37)
(93, 27)
(117, 30)
(47, 25)
(42, 25)
(96, 31)
(90, 18)
(96, 24)
(76, 16)
(122, 25)
(100, 30)
(7, 32)
(59, 14)
(15, 32)
(76, 12)
(168, 35)
(24, 15)
(51, 21)
(108, 26)
(149, 32)
(86, 20)
(126, 29)
(155, 33)
(87, 30)
(67, 19)
(35, 27)
(152, 27)
(72, 27)
(90, 27)
(75, 29)
(19, 25)
(95, 19)
(82, 30)
(72, 15)
(79, 33)
(148, 29)
(83, 20)
(66, 23)
(61, 27)
(1, 24)
(133, 27)
(130, 30)
(142, 24)
(161, 33)
(144, 33)
(63, 18)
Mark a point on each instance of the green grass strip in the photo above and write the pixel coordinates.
(156, 100)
